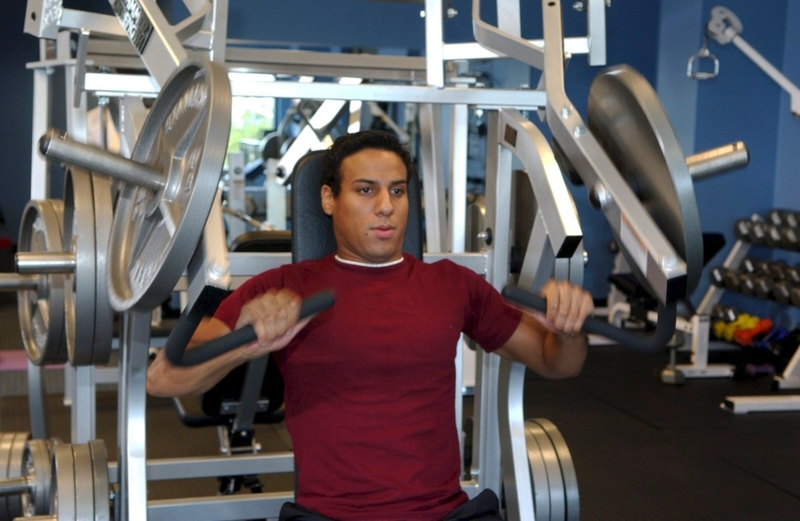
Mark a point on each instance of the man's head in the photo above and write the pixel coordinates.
(349, 144)
(364, 190)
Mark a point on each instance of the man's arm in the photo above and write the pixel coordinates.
(165, 379)
(274, 317)
(553, 345)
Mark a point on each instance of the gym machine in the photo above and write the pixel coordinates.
(134, 291)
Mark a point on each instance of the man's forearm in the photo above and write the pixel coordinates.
(564, 354)
(165, 379)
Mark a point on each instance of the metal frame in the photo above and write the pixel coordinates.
(161, 52)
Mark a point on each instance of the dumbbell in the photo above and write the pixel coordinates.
(750, 265)
(724, 312)
(792, 274)
(783, 229)
(718, 276)
(763, 287)
(725, 331)
(731, 279)
(746, 230)
(745, 336)
(783, 217)
(747, 284)
(782, 292)
(794, 296)
(790, 238)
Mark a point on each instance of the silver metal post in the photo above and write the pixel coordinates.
(83, 409)
(37, 398)
(132, 497)
(40, 174)
(56, 145)
(30, 263)
(14, 486)
(718, 160)
(430, 123)
(14, 282)
(511, 417)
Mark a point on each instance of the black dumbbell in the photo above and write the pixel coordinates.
(718, 276)
(731, 279)
(783, 217)
(782, 292)
(790, 238)
(747, 284)
(776, 269)
(763, 287)
(794, 296)
(741, 229)
(772, 235)
(758, 233)
(793, 274)
(724, 312)
(750, 265)
(750, 230)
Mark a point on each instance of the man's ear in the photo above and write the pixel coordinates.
(326, 194)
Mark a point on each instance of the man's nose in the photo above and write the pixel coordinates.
(385, 205)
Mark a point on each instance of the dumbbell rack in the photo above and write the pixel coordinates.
(699, 367)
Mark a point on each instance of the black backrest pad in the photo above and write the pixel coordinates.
(312, 230)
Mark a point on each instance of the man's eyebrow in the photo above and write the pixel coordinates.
(374, 182)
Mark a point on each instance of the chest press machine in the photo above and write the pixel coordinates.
(169, 186)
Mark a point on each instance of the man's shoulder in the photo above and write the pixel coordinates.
(292, 271)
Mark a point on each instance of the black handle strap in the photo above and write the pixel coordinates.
(178, 339)
(654, 341)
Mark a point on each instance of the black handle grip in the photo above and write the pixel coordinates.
(175, 347)
(665, 327)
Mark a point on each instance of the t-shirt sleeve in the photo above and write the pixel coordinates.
(228, 311)
(490, 321)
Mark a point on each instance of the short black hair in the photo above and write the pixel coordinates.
(349, 144)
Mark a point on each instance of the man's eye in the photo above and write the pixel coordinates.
(398, 191)
(364, 190)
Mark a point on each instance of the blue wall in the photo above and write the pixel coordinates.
(742, 103)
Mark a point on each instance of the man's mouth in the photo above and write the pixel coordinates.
(383, 232)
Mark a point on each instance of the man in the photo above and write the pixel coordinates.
(369, 382)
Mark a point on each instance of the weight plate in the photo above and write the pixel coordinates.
(555, 482)
(6, 440)
(626, 117)
(84, 483)
(567, 468)
(63, 489)
(79, 239)
(12, 444)
(104, 313)
(541, 488)
(41, 311)
(14, 470)
(102, 507)
(154, 235)
(36, 464)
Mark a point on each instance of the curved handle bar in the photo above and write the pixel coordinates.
(665, 327)
(175, 347)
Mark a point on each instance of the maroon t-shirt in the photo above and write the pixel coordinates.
(370, 382)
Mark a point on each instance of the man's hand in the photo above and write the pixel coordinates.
(274, 317)
(567, 307)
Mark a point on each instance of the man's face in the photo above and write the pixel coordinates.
(371, 210)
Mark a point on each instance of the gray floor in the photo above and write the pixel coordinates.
(642, 450)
